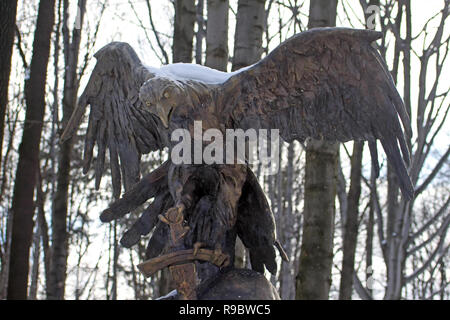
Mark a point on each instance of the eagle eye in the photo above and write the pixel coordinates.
(166, 94)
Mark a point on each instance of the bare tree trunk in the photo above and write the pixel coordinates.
(40, 196)
(59, 251)
(316, 257)
(287, 285)
(394, 220)
(164, 282)
(183, 34)
(372, 205)
(6, 259)
(200, 32)
(250, 25)
(28, 166)
(43, 228)
(314, 276)
(351, 223)
(397, 208)
(250, 22)
(369, 237)
(115, 265)
(217, 35)
(322, 13)
(32, 295)
(5, 250)
(8, 10)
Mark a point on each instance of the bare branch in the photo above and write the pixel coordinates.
(156, 33)
(19, 47)
(91, 43)
(141, 24)
(433, 173)
(429, 222)
(359, 288)
(443, 232)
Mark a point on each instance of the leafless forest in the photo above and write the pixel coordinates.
(356, 238)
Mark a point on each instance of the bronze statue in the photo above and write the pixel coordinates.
(326, 83)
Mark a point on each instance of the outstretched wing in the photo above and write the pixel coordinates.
(255, 225)
(153, 185)
(326, 83)
(117, 120)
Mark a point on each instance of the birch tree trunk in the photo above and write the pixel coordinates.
(28, 165)
(287, 285)
(314, 276)
(200, 32)
(7, 26)
(250, 25)
(217, 35)
(183, 33)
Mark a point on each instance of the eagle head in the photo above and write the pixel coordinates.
(162, 95)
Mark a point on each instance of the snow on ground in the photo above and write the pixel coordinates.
(171, 294)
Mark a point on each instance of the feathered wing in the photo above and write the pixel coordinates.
(117, 119)
(326, 83)
(153, 185)
(255, 225)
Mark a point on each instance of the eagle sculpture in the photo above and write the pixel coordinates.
(326, 83)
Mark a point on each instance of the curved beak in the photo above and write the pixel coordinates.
(164, 114)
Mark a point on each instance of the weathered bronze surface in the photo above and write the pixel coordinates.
(326, 83)
(150, 267)
(235, 284)
(185, 278)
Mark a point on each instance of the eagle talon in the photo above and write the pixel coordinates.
(163, 219)
(173, 215)
(218, 257)
(185, 231)
(197, 247)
